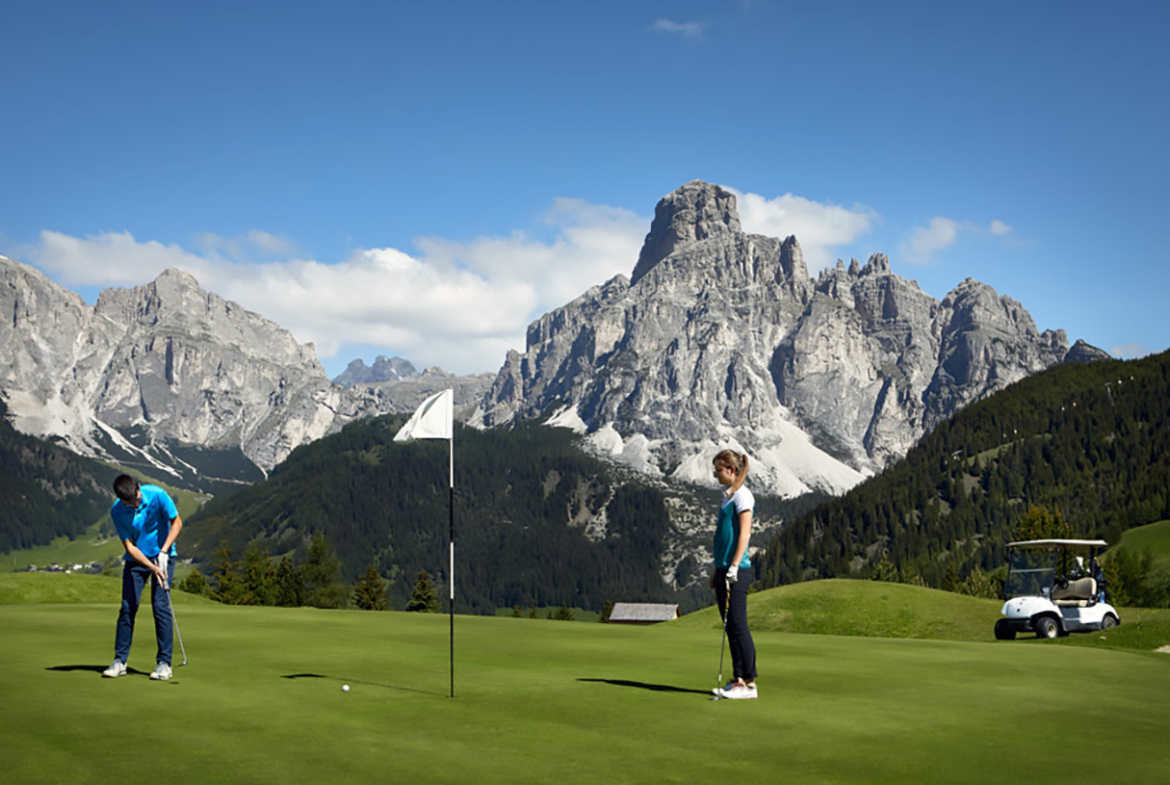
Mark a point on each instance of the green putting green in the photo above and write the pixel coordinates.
(541, 701)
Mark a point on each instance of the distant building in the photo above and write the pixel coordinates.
(643, 613)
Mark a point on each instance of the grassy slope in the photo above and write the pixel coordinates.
(540, 702)
(1155, 536)
(867, 608)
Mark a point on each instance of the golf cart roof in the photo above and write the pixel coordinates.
(1057, 544)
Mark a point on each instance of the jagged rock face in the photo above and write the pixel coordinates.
(178, 381)
(385, 369)
(1082, 352)
(162, 364)
(722, 339)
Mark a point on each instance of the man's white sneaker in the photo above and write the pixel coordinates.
(719, 690)
(118, 668)
(738, 691)
(162, 672)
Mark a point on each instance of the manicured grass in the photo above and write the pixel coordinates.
(261, 701)
(866, 608)
(1154, 536)
(579, 614)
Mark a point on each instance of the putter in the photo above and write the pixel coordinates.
(722, 641)
(175, 621)
(179, 635)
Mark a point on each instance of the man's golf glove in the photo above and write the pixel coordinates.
(163, 558)
(733, 573)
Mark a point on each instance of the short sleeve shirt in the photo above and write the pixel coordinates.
(727, 528)
(148, 525)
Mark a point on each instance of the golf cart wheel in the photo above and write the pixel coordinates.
(1046, 627)
(1109, 622)
(1004, 631)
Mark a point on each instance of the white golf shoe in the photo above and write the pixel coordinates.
(162, 672)
(739, 691)
(118, 668)
(719, 690)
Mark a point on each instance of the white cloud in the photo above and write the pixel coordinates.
(693, 30)
(999, 228)
(1129, 351)
(249, 247)
(819, 228)
(109, 259)
(458, 305)
(925, 241)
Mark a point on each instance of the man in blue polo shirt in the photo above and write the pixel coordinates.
(148, 525)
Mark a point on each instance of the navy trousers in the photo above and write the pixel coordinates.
(739, 637)
(134, 578)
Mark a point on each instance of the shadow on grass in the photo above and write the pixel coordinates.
(644, 686)
(359, 681)
(94, 669)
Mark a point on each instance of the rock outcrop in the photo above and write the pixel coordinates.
(188, 386)
(721, 338)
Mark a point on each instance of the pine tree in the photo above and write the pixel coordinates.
(369, 594)
(605, 612)
(980, 584)
(885, 570)
(259, 576)
(227, 578)
(320, 570)
(516, 613)
(1040, 524)
(951, 579)
(195, 583)
(290, 584)
(423, 598)
(564, 613)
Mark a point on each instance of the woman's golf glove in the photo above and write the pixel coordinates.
(733, 573)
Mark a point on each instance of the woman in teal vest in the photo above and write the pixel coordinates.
(732, 532)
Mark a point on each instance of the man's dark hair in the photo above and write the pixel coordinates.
(126, 487)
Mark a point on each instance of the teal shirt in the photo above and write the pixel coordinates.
(727, 528)
(148, 525)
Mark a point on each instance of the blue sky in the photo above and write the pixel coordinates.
(423, 179)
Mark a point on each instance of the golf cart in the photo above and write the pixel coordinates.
(1054, 587)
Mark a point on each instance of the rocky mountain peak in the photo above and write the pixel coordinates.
(792, 260)
(722, 340)
(878, 264)
(1082, 352)
(384, 369)
(696, 211)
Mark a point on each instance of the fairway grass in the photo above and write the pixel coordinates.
(539, 701)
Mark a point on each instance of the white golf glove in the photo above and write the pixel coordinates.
(732, 573)
(163, 558)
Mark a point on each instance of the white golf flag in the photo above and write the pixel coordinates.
(432, 420)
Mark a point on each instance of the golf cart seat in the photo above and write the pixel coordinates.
(1075, 593)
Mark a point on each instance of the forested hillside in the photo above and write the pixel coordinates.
(1091, 442)
(47, 491)
(525, 500)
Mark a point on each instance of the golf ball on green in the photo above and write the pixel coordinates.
(345, 688)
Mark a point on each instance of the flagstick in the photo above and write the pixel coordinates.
(451, 570)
